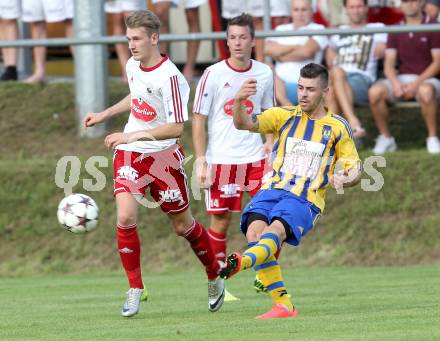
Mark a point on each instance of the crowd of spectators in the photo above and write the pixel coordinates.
(409, 73)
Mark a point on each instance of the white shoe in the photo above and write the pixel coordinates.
(131, 305)
(433, 145)
(216, 294)
(384, 145)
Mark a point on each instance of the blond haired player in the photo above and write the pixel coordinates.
(148, 157)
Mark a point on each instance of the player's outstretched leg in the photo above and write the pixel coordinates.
(266, 247)
(261, 256)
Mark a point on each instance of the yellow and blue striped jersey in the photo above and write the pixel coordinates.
(306, 151)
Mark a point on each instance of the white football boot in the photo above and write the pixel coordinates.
(131, 305)
(216, 294)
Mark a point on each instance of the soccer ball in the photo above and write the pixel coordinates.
(78, 213)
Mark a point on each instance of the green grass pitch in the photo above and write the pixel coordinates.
(377, 303)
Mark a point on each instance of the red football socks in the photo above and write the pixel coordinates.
(200, 243)
(218, 242)
(130, 253)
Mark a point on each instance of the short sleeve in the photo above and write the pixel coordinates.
(392, 41)
(321, 40)
(380, 38)
(346, 153)
(204, 94)
(434, 40)
(175, 97)
(333, 41)
(271, 120)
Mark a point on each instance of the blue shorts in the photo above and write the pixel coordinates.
(359, 84)
(292, 92)
(299, 214)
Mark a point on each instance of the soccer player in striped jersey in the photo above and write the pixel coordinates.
(313, 148)
(148, 157)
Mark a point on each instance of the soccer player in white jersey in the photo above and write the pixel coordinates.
(233, 162)
(147, 156)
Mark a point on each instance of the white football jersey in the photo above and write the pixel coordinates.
(159, 95)
(214, 98)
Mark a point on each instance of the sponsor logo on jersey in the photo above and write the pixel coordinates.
(229, 104)
(127, 172)
(172, 195)
(142, 110)
(327, 132)
(230, 191)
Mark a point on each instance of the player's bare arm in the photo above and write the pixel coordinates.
(242, 120)
(163, 132)
(344, 178)
(93, 118)
(199, 142)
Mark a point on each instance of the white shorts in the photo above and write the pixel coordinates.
(185, 3)
(47, 10)
(121, 6)
(407, 78)
(233, 8)
(10, 9)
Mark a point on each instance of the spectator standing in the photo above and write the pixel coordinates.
(279, 10)
(118, 9)
(38, 13)
(9, 13)
(418, 57)
(162, 9)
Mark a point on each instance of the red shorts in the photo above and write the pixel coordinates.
(229, 183)
(162, 172)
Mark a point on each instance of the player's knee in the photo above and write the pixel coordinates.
(125, 219)
(255, 225)
(253, 234)
(180, 227)
(220, 223)
(279, 227)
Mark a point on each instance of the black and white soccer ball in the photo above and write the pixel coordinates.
(78, 213)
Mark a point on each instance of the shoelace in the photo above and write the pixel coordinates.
(132, 297)
(212, 288)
